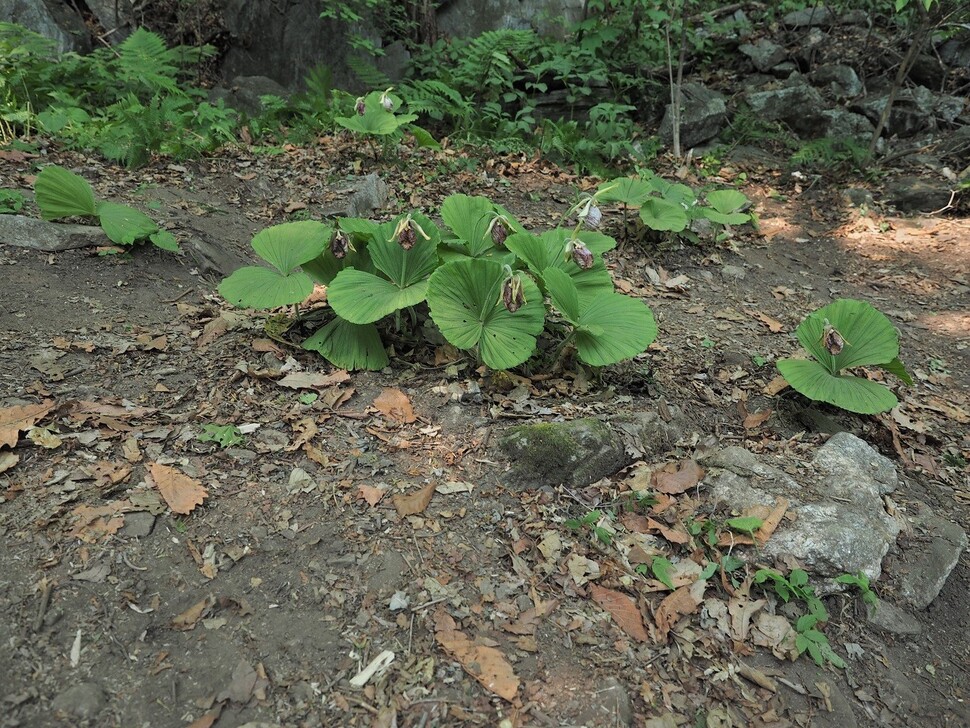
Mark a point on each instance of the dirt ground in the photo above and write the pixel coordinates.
(297, 570)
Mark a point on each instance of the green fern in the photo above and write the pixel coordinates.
(435, 99)
(830, 153)
(368, 74)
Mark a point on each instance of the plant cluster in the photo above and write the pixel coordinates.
(127, 102)
(843, 335)
(60, 193)
(483, 281)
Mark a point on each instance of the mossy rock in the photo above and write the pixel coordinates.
(575, 453)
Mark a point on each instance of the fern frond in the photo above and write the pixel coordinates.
(368, 74)
(434, 99)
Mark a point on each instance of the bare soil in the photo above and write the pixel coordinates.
(259, 606)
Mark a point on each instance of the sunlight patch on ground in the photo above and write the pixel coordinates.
(948, 323)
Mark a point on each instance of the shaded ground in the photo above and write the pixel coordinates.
(260, 606)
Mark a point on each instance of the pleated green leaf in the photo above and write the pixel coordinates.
(60, 193)
(349, 346)
(850, 393)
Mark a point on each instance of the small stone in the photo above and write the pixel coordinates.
(891, 618)
(764, 54)
(138, 525)
(809, 17)
(733, 273)
(81, 701)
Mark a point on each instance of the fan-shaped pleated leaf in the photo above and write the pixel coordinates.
(363, 298)
(540, 252)
(465, 301)
(290, 244)
(325, 267)
(726, 201)
(349, 346)
(60, 193)
(406, 267)
(850, 393)
(468, 217)
(610, 327)
(869, 336)
(123, 224)
(630, 191)
(258, 287)
(660, 214)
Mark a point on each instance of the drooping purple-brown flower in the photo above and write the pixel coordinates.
(513, 295)
(339, 244)
(581, 255)
(386, 103)
(407, 231)
(499, 232)
(359, 106)
(832, 340)
(593, 218)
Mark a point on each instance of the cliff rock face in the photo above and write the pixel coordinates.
(54, 20)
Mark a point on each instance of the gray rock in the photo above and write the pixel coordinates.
(764, 54)
(956, 51)
(27, 232)
(702, 116)
(891, 618)
(651, 432)
(843, 124)
(51, 20)
(858, 197)
(733, 273)
(914, 110)
(117, 18)
(842, 81)
(138, 525)
(245, 93)
(838, 521)
(809, 17)
(924, 562)
(577, 452)
(609, 705)
(916, 194)
(81, 701)
(369, 197)
(796, 103)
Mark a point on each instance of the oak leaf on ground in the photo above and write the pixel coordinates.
(181, 492)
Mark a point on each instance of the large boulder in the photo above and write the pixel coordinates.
(795, 103)
(21, 231)
(51, 19)
(703, 114)
(836, 521)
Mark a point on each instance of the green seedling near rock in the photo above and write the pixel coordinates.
(590, 521)
(861, 582)
(808, 638)
(60, 193)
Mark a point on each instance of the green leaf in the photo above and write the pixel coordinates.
(610, 327)
(664, 215)
(405, 267)
(165, 240)
(290, 244)
(349, 346)
(325, 267)
(364, 298)
(727, 201)
(747, 524)
(375, 121)
(850, 393)
(798, 577)
(123, 224)
(423, 137)
(541, 252)
(60, 193)
(625, 190)
(896, 367)
(721, 218)
(225, 435)
(662, 569)
(258, 287)
(468, 217)
(465, 301)
(869, 336)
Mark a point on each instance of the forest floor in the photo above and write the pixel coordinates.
(315, 548)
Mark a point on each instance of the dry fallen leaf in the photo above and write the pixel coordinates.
(676, 478)
(623, 609)
(775, 386)
(756, 419)
(371, 494)
(486, 664)
(20, 417)
(681, 602)
(395, 404)
(191, 616)
(92, 524)
(413, 503)
(313, 380)
(8, 460)
(774, 326)
(181, 492)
